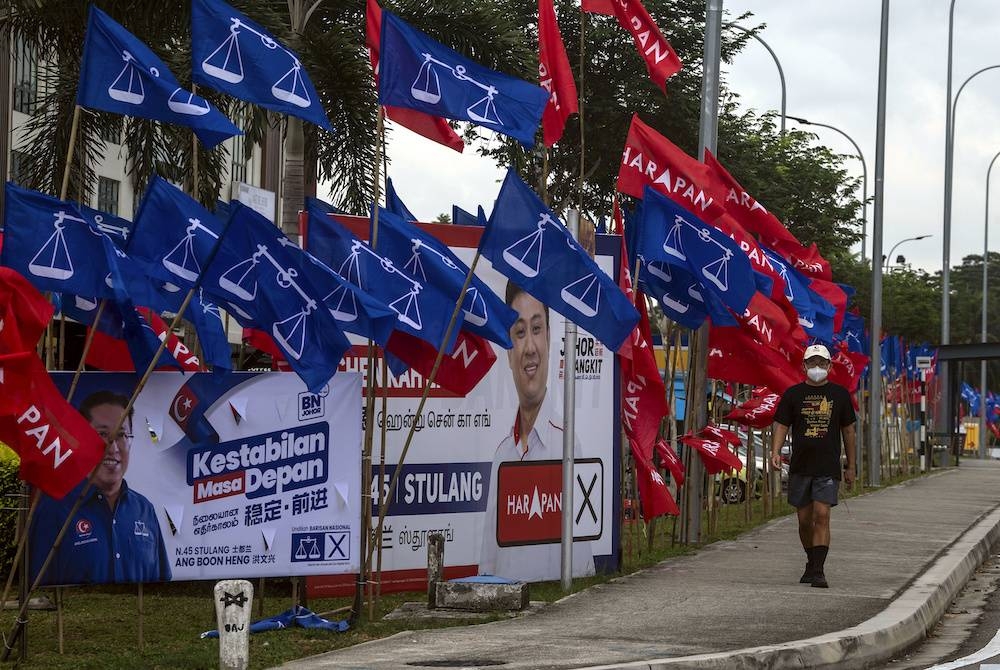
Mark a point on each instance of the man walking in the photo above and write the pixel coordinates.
(819, 414)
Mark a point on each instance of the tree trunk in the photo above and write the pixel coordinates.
(293, 182)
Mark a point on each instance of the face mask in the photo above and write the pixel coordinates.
(817, 374)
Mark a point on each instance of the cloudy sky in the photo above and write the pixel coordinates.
(829, 53)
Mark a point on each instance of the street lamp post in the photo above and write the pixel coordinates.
(982, 333)
(888, 258)
(864, 175)
(781, 73)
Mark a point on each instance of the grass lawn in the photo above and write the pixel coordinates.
(101, 624)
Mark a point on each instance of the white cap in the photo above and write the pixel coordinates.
(816, 350)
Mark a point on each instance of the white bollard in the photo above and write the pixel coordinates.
(233, 599)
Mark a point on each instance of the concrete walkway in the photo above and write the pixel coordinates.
(898, 557)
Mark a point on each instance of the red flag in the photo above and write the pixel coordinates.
(24, 313)
(58, 447)
(651, 159)
(755, 218)
(670, 459)
(605, 7)
(718, 433)
(758, 411)
(769, 325)
(661, 61)
(734, 356)
(995, 428)
(460, 371)
(653, 492)
(847, 367)
(554, 75)
(432, 127)
(715, 455)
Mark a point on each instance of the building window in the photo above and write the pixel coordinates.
(25, 77)
(238, 167)
(18, 167)
(107, 195)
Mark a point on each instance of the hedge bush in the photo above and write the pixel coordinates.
(10, 487)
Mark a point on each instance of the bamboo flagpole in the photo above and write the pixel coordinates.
(383, 509)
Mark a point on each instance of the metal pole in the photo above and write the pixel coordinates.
(708, 133)
(569, 433)
(888, 257)
(982, 332)
(946, 246)
(875, 399)
(781, 73)
(864, 176)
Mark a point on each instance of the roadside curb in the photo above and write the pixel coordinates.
(903, 623)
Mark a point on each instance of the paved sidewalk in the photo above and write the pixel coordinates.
(898, 557)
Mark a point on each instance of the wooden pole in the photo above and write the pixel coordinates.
(381, 477)
(22, 541)
(383, 509)
(86, 349)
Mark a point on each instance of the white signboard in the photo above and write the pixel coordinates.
(247, 475)
(260, 200)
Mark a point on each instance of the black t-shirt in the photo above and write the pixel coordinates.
(815, 415)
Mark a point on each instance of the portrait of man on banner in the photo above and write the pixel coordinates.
(115, 535)
(522, 526)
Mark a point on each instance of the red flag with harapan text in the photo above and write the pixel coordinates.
(834, 295)
(846, 368)
(110, 354)
(432, 127)
(459, 372)
(670, 460)
(651, 159)
(769, 324)
(554, 75)
(661, 60)
(758, 411)
(734, 356)
(24, 313)
(58, 448)
(715, 455)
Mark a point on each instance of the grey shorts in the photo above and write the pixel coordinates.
(803, 489)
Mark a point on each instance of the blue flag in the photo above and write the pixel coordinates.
(460, 217)
(433, 263)
(526, 243)
(115, 227)
(264, 286)
(234, 55)
(677, 291)
(669, 233)
(122, 75)
(420, 73)
(394, 204)
(173, 235)
(420, 307)
(50, 243)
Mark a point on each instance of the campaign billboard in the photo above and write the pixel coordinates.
(212, 477)
(494, 494)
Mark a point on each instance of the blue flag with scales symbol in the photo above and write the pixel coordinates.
(419, 306)
(526, 243)
(234, 55)
(419, 73)
(53, 246)
(257, 279)
(120, 74)
(669, 233)
(430, 261)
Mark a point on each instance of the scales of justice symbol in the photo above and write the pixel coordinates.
(128, 88)
(525, 256)
(226, 63)
(474, 308)
(406, 306)
(717, 271)
(790, 294)
(308, 548)
(662, 271)
(53, 260)
(241, 281)
(426, 87)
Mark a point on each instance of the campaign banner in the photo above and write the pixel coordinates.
(467, 475)
(212, 477)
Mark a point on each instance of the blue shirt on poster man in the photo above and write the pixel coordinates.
(114, 535)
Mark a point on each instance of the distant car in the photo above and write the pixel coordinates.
(731, 489)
